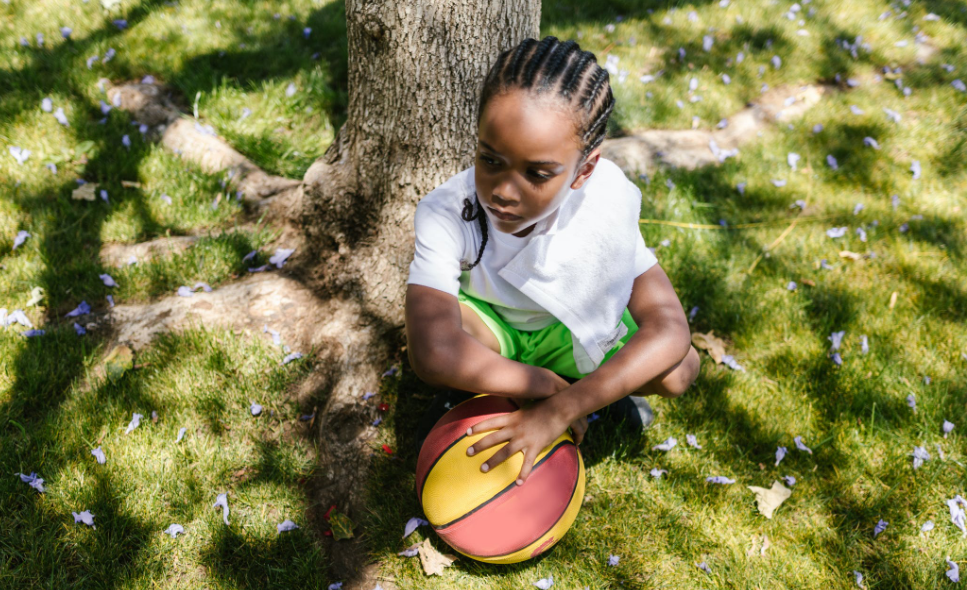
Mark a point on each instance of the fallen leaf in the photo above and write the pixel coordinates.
(342, 527)
(130, 184)
(433, 561)
(893, 299)
(713, 344)
(85, 192)
(769, 500)
(36, 296)
(119, 360)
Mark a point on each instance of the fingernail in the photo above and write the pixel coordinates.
(484, 468)
(520, 482)
(470, 451)
(470, 431)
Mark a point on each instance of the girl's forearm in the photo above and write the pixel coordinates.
(657, 346)
(471, 366)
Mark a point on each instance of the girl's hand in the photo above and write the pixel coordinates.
(527, 430)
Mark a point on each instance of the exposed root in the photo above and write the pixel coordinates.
(641, 152)
(197, 143)
(119, 254)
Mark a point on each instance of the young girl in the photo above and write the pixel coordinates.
(530, 266)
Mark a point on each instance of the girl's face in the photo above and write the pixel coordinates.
(527, 161)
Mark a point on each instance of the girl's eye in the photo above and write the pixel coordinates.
(488, 160)
(540, 176)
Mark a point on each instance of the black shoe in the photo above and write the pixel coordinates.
(444, 401)
(632, 410)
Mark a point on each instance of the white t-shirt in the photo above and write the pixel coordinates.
(446, 244)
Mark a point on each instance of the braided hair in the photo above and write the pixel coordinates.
(545, 67)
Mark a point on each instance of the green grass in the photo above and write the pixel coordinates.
(223, 56)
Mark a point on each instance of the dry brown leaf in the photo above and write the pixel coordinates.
(809, 282)
(769, 500)
(130, 184)
(713, 344)
(850, 255)
(85, 192)
(433, 561)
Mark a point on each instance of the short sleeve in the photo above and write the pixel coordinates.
(644, 258)
(438, 249)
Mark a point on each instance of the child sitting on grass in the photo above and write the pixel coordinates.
(530, 268)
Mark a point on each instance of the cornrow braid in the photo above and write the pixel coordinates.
(550, 67)
(468, 215)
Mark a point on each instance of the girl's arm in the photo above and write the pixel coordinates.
(443, 354)
(662, 340)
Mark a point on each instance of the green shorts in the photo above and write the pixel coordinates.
(549, 347)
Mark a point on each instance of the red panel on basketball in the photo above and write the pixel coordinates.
(516, 517)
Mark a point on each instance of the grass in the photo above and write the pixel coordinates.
(224, 56)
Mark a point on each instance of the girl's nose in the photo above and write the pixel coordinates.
(505, 194)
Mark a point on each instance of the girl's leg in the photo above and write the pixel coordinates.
(674, 381)
(473, 325)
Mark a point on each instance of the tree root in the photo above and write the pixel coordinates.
(641, 152)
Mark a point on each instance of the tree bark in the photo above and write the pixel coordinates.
(415, 72)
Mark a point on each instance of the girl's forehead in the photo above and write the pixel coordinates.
(518, 125)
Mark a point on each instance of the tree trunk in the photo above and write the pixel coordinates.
(415, 71)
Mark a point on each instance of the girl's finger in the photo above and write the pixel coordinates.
(492, 439)
(488, 424)
(500, 456)
(526, 469)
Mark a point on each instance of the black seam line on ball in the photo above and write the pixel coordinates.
(508, 488)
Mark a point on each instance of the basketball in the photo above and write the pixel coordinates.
(487, 516)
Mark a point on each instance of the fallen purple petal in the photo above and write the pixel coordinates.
(927, 526)
(780, 454)
(222, 500)
(280, 256)
(174, 530)
(947, 428)
(719, 479)
(831, 162)
(613, 560)
(285, 526)
(99, 455)
(545, 583)
(870, 142)
(184, 291)
(919, 455)
(33, 481)
(412, 524)
(879, 528)
(135, 422)
(108, 281)
(954, 572)
(655, 472)
(291, 357)
(79, 329)
(801, 445)
(692, 441)
(256, 409)
(83, 308)
(668, 445)
(85, 517)
(912, 401)
(915, 168)
(789, 480)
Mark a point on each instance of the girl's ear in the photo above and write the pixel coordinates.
(586, 168)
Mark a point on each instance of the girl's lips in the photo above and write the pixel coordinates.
(504, 216)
